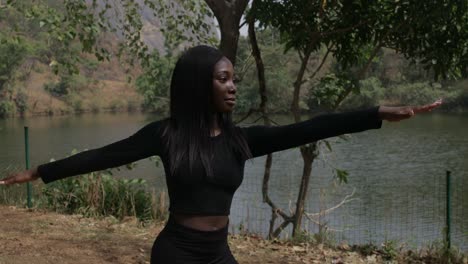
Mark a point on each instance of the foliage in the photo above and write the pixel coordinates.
(433, 32)
(184, 21)
(328, 91)
(69, 22)
(7, 108)
(303, 237)
(57, 89)
(154, 83)
(389, 250)
(21, 101)
(101, 194)
(67, 84)
(12, 53)
(354, 32)
(418, 93)
(279, 76)
(461, 100)
(370, 93)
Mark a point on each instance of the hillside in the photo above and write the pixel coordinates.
(32, 84)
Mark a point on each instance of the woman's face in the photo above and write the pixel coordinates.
(224, 89)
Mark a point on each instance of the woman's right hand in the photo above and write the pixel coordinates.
(21, 177)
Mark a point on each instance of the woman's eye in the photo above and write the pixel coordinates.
(236, 80)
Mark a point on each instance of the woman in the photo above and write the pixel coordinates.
(204, 154)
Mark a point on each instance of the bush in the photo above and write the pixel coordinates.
(12, 54)
(416, 93)
(100, 194)
(370, 93)
(460, 99)
(327, 92)
(57, 89)
(7, 109)
(66, 85)
(21, 102)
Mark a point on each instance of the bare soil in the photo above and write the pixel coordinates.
(36, 236)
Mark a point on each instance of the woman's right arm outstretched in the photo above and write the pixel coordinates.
(144, 143)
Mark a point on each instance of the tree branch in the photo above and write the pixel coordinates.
(348, 198)
(319, 67)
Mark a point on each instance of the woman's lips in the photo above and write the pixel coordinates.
(230, 101)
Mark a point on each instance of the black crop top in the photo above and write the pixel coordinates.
(195, 193)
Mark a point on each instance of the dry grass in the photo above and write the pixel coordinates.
(107, 89)
(44, 237)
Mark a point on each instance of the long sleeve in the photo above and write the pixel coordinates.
(263, 140)
(144, 143)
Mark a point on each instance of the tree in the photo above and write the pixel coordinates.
(354, 32)
(12, 54)
(228, 14)
(154, 83)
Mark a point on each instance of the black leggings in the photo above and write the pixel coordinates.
(180, 244)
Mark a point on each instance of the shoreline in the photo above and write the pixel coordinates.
(141, 111)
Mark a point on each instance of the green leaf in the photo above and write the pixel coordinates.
(342, 176)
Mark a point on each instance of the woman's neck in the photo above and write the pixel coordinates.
(215, 129)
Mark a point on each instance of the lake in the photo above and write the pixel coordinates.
(397, 174)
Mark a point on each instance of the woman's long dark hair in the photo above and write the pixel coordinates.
(192, 112)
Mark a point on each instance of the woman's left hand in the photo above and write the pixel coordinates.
(394, 114)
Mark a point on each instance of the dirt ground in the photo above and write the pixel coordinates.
(43, 237)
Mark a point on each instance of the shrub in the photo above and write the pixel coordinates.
(415, 93)
(101, 194)
(370, 93)
(327, 92)
(7, 108)
(57, 89)
(66, 85)
(21, 102)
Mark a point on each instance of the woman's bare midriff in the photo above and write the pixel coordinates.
(202, 222)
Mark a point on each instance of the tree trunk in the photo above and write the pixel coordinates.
(228, 13)
(307, 169)
(308, 155)
(262, 109)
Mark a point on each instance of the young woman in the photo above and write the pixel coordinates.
(204, 153)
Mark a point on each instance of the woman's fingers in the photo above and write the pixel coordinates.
(21, 177)
(428, 107)
(8, 180)
(394, 114)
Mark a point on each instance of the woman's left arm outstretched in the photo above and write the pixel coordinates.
(265, 139)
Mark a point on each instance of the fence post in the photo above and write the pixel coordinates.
(448, 212)
(26, 145)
